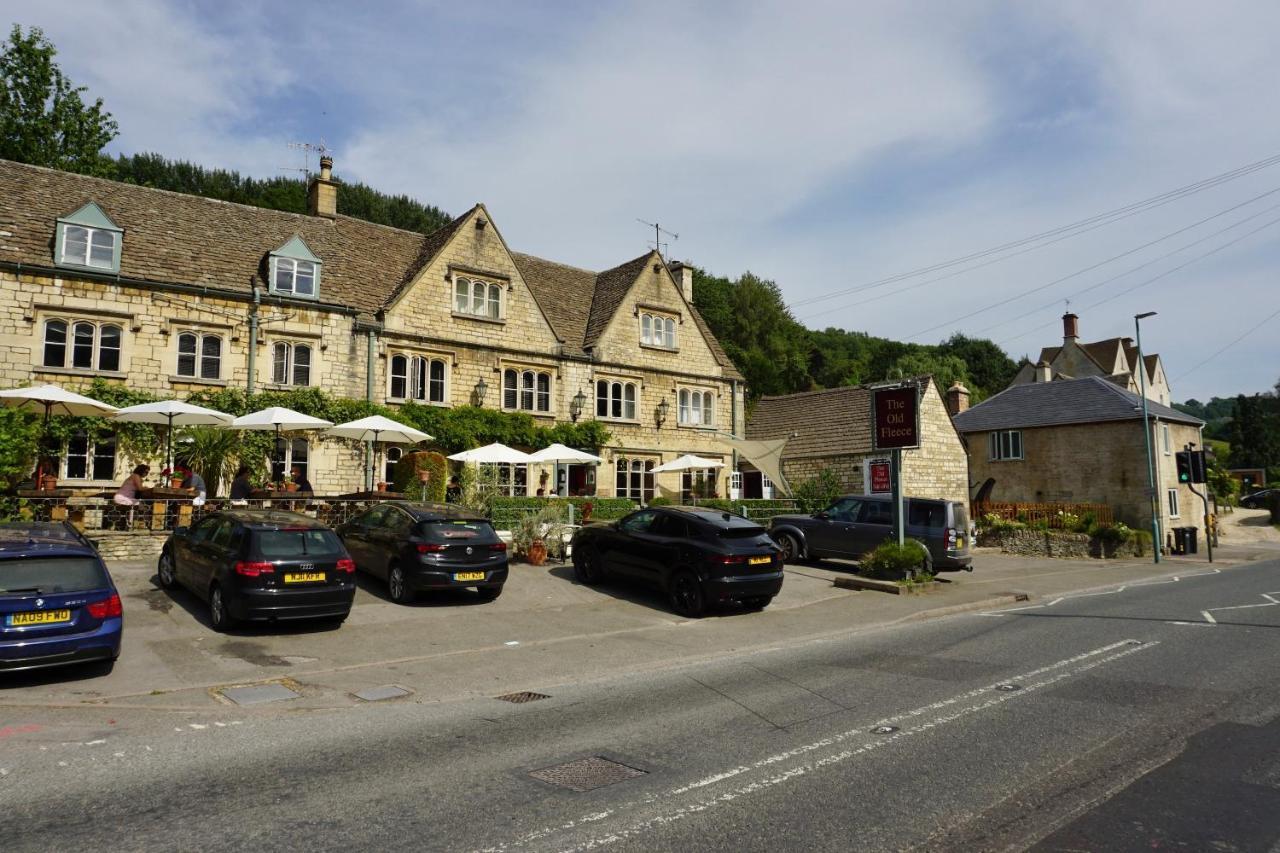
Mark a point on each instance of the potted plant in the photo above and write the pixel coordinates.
(532, 532)
(48, 482)
(382, 487)
(587, 507)
(291, 487)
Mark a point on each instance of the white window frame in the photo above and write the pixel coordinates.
(393, 454)
(199, 359)
(90, 456)
(699, 416)
(1000, 446)
(419, 382)
(290, 445)
(533, 390)
(291, 268)
(634, 479)
(1171, 498)
(97, 345)
(621, 396)
(92, 241)
(658, 330)
(478, 297)
(1166, 439)
(291, 363)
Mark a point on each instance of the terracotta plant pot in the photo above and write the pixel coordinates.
(537, 553)
(382, 487)
(175, 482)
(291, 487)
(48, 482)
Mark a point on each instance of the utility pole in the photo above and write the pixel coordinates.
(1146, 434)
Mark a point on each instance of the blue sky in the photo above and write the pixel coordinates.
(821, 145)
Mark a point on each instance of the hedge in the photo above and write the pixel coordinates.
(507, 510)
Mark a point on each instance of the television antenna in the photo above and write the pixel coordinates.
(658, 231)
(306, 148)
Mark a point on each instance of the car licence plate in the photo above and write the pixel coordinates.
(756, 561)
(39, 617)
(469, 576)
(303, 577)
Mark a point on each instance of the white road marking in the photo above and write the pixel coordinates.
(1272, 601)
(1088, 660)
(1116, 591)
(1208, 617)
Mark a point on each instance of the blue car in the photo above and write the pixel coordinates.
(57, 602)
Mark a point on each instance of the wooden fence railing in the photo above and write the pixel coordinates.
(1053, 513)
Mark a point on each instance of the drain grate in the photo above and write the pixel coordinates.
(587, 774)
(522, 697)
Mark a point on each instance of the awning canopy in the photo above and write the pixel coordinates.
(767, 457)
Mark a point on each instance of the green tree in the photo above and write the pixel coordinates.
(44, 119)
(1254, 432)
(19, 432)
(989, 368)
(945, 369)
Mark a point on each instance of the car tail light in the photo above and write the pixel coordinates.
(106, 608)
(726, 559)
(252, 570)
(498, 546)
(346, 564)
(953, 536)
(430, 548)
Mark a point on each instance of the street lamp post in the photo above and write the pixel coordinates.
(1146, 433)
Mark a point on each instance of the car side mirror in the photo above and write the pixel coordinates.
(180, 531)
(822, 516)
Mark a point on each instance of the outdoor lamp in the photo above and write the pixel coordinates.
(575, 405)
(660, 413)
(481, 389)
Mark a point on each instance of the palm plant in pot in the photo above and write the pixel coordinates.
(531, 533)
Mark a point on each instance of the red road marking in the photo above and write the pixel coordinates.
(9, 731)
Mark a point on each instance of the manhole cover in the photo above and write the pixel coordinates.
(377, 694)
(259, 694)
(586, 774)
(884, 730)
(522, 697)
(1008, 688)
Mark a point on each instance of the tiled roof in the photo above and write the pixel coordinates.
(1103, 353)
(177, 238)
(1070, 401)
(831, 422)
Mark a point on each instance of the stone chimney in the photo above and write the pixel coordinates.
(683, 274)
(1070, 327)
(957, 398)
(322, 193)
(1044, 372)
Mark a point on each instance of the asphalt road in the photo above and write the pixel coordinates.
(1144, 718)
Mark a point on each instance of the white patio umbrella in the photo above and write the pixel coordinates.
(495, 453)
(688, 462)
(561, 453)
(278, 419)
(377, 429)
(172, 413)
(53, 400)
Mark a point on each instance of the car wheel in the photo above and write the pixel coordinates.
(489, 593)
(586, 566)
(926, 567)
(758, 602)
(219, 617)
(686, 594)
(790, 548)
(166, 572)
(397, 587)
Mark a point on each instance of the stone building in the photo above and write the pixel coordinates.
(1080, 441)
(172, 293)
(1115, 359)
(832, 429)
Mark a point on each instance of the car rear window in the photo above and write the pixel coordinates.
(961, 516)
(458, 530)
(46, 575)
(742, 531)
(283, 544)
(926, 514)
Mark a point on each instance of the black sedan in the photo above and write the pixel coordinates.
(260, 565)
(698, 556)
(425, 546)
(1258, 500)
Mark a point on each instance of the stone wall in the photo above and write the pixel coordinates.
(122, 545)
(1053, 543)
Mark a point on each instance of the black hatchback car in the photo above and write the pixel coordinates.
(416, 547)
(261, 565)
(698, 556)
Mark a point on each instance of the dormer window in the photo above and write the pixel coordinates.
(295, 270)
(658, 331)
(88, 239)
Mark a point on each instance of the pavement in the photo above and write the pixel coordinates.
(1136, 710)
(546, 630)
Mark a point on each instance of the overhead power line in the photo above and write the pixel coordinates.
(1007, 300)
(1235, 341)
(1081, 226)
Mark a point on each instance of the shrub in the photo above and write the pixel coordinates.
(660, 501)
(506, 511)
(891, 560)
(998, 524)
(818, 493)
(408, 482)
(1142, 542)
(546, 524)
(1112, 535)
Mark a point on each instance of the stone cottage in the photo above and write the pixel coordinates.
(1080, 441)
(832, 429)
(172, 293)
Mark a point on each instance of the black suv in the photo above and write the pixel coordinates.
(261, 565)
(426, 546)
(855, 524)
(698, 556)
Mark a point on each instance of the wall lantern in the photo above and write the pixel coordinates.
(575, 405)
(660, 412)
(481, 390)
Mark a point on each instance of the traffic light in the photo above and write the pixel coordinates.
(1198, 466)
(1184, 466)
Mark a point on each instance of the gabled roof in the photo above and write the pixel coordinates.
(1092, 399)
(831, 422)
(175, 238)
(1104, 353)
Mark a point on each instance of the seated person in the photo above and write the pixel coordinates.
(241, 486)
(296, 475)
(192, 480)
(127, 494)
(453, 491)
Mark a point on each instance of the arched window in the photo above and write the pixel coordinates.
(656, 331)
(670, 337)
(629, 401)
(399, 377)
(646, 329)
(93, 347)
(634, 479)
(393, 455)
(696, 408)
(198, 355)
(417, 378)
(526, 390)
(510, 389)
(477, 298)
(280, 363)
(301, 364)
(602, 398)
(82, 345)
(55, 343)
(616, 400)
(290, 363)
(436, 387)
